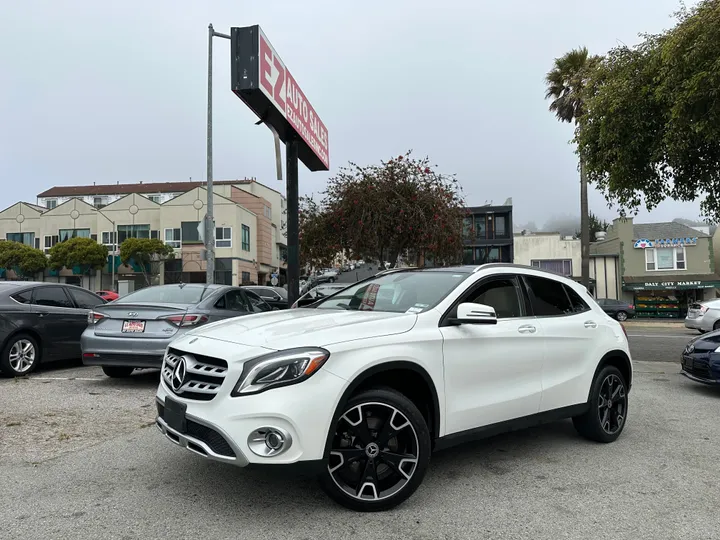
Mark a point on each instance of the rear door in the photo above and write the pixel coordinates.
(233, 303)
(256, 302)
(56, 318)
(571, 329)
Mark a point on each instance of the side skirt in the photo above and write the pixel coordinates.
(454, 439)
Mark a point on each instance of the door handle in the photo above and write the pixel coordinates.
(590, 324)
(527, 329)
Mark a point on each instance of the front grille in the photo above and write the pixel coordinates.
(697, 365)
(209, 436)
(203, 375)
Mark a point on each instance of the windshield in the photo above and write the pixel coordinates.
(411, 292)
(173, 294)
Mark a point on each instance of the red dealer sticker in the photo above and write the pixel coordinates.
(370, 297)
(280, 87)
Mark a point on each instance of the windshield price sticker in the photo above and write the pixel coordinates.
(370, 296)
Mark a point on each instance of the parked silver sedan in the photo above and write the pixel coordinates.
(134, 330)
(704, 316)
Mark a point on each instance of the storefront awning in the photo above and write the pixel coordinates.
(676, 282)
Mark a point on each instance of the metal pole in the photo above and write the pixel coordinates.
(112, 259)
(209, 221)
(293, 222)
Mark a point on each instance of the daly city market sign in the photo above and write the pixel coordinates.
(262, 80)
(670, 285)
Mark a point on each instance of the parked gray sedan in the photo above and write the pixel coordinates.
(134, 330)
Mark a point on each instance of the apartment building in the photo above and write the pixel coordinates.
(249, 245)
(488, 234)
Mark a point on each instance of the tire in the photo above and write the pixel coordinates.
(21, 356)
(332, 280)
(621, 316)
(117, 372)
(600, 423)
(716, 326)
(392, 463)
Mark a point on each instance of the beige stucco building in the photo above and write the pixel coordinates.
(249, 245)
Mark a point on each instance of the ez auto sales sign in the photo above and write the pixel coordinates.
(261, 79)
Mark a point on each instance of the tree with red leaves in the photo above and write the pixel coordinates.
(402, 206)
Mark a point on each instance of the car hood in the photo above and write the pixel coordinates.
(706, 342)
(290, 328)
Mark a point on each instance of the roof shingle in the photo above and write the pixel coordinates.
(655, 231)
(122, 189)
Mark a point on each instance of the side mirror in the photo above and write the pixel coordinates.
(469, 313)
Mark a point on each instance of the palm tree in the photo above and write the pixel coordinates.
(566, 84)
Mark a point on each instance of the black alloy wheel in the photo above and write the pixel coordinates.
(379, 452)
(605, 419)
(621, 316)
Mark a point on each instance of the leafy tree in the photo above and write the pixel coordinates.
(148, 253)
(566, 84)
(318, 239)
(381, 211)
(652, 125)
(83, 252)
(24, 260)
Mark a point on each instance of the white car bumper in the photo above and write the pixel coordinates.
(703, 323)
(219, 429)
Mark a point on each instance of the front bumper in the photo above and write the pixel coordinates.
(702, 367)
(218, 429)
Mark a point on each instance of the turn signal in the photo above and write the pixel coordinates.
(183, 321)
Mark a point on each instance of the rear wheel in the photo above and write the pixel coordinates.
(379, 453)
(621, 316)
(716, 326)
(20, 356)
(605, 419)
(117, 372)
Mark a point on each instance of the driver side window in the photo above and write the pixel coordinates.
(233, 301)
(501, 294)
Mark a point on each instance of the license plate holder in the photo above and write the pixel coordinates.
(133, 327)
(174, 415)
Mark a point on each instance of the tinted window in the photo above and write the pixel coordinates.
(500, 294)
(23, 297)
(84, 299)
(578, 304)
(549, 297)
(257, 303)
(233, 301)
(265, 293)
(51, 296)
(174, 294)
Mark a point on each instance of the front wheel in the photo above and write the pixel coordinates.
(621, 316)
(21, 356)
(605, 419)
(117, 372)
(379, 453)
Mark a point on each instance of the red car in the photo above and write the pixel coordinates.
(108, 296)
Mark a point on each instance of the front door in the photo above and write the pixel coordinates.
(55, 314)
(493, 372)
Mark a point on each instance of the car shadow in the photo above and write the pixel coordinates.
(140, 378)
(708, 390)
(57, 365)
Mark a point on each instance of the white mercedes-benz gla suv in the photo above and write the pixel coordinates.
(368, 382)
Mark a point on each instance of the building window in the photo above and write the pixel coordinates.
(173, 238)
(109, 239)
(267, 211)
(26, 238)
(500, 226)
(245, 277)
(223, 237)
(154, 198)
(51, 203)
(98, 202)
(246, 238)
(559, 266)
(468, 256)
(480, 227)
(50, 241)
(132, 231)
(155, 235)
(67, 234)
(189, 232)
(672, 258)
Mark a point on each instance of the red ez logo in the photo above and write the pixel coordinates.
(272, 80)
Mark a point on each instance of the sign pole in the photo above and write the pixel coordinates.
(293, 221)
(209, 233)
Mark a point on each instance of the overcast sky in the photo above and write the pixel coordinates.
(113, 92)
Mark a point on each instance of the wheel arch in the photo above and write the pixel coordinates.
(28, 331)
(620, 360)
(387, 375)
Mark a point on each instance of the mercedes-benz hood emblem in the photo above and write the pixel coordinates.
(178, 376)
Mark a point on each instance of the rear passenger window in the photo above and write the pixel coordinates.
(578, 304)
(548, 297)
(51, 296)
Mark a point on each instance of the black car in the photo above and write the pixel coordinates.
(41, 322)
(617, 309)
(276, 297)
(699, 360)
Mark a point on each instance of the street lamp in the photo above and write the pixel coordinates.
(114, 244)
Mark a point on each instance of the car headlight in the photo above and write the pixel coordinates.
(280, 368)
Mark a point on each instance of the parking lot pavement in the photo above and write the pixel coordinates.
(115, 478)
